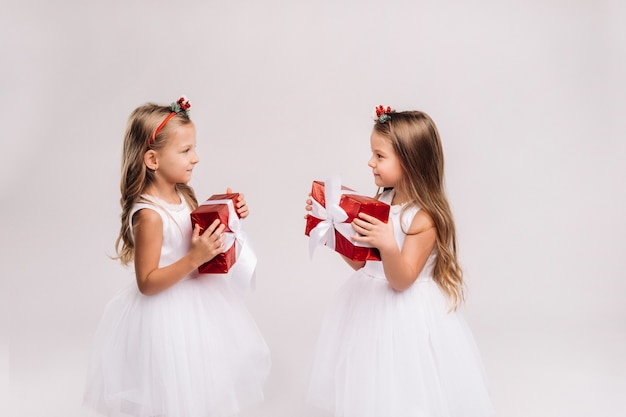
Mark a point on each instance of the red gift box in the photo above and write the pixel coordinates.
(204, 215)
(352, 203)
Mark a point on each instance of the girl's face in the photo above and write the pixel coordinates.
(384, 162)
(178, 157)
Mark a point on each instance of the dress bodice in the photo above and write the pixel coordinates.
(176, 227)
(402, 219)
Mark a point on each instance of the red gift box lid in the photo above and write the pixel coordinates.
(207, 212)
(230, 196)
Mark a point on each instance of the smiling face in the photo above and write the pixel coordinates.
(178, 157)
(385, 164)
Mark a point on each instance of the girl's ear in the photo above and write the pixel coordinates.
(151, 160)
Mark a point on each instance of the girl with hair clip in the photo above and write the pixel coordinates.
(176, 343)
(394, 343)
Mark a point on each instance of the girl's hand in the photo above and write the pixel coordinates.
(308, 206)
(208, 245)
(241, 207)
(373, 231)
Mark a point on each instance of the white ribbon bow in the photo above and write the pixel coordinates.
(333, 218)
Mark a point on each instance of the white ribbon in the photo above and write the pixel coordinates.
(243, 271)
(333, 218)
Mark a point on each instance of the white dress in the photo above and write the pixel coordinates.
(383, 353)
(192, 350)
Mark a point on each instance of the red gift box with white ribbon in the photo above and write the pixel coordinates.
(238, 258)
(216, 207)
(333, 209)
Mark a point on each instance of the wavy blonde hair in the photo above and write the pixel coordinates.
(416, 141)
(142, 123)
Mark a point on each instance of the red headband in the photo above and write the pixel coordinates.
(182, 105)
(158, 129)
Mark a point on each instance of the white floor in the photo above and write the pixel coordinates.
(575, 374)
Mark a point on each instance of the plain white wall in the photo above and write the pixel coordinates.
(529, 99)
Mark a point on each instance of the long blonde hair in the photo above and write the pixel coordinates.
(141, 125)
(416, 141)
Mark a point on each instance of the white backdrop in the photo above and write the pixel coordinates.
(529, 98)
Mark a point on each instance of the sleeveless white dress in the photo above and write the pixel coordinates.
(192, 350)
(383, 353)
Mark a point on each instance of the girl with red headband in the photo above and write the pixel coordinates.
(176, 343)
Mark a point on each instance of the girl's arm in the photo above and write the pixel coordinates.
(402, 266)
(148, 236)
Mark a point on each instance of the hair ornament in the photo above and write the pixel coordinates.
(180, 106)
(382, 114)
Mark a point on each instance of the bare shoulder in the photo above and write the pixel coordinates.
(146, 217)
(422, 222)
(420, 239)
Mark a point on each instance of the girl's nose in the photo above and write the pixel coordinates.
(371, 163)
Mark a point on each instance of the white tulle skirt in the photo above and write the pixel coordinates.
(383, 353)
(192, 350)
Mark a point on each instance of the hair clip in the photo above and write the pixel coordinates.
(382, 114)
